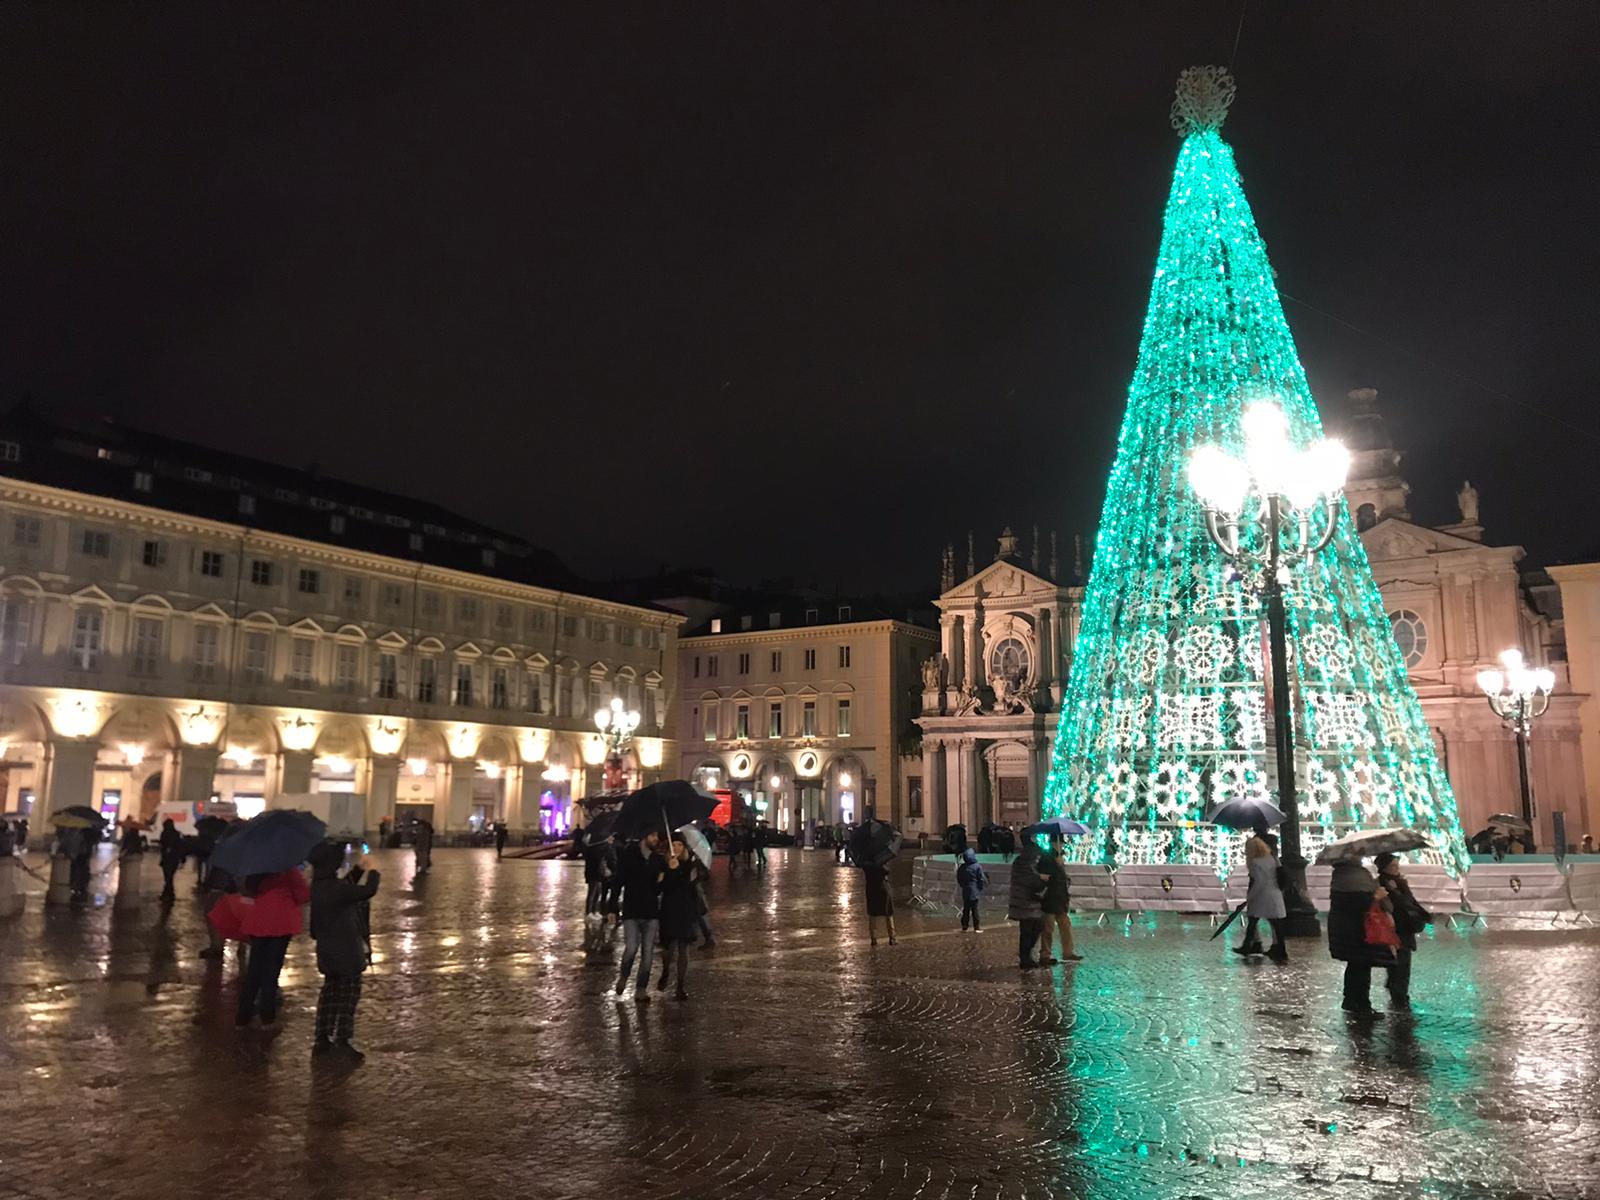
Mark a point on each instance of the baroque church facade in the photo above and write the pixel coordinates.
(992, 696)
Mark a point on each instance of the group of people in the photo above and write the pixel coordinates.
(1040, 898)
(654, 889)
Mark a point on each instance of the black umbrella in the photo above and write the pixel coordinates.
(874, 843)
(600, 827)
(1245, 812)
(84, 811)
(1507, 821)
(277, 840)
(663, 806)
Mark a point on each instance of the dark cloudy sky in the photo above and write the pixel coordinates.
(785, 289)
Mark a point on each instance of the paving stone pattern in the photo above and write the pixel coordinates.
(805, 1064)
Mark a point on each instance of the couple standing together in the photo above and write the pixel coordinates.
(1040, 895)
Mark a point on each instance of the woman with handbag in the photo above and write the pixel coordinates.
(1354, 937)
(1410, 919)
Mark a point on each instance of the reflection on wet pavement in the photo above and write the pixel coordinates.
(805, 1063)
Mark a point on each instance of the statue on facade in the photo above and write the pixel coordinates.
(931, 673)
(1467, 502)
(967, 699)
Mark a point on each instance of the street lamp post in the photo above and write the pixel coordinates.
(1272, 510)
(616, 726)
(1519, 695)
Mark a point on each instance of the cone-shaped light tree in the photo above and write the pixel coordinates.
(1166, 710)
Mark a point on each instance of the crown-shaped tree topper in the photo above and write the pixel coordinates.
(1204, 94)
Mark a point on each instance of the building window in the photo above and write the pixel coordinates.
(463, 690)
(844, 612)
(569, 627)
(207, 647)
(563, 695)
(309, 582)
(196, 475)
(247, 505)
(598, 631)
(716, 624)
(914, 796)
(96, 544)
(774, 619)
(352, 590)
(393, 594)
(777, 661)
(775, 719)
(211, 563)
(154, 553)
(535, 692)
(500, 689)
(808, 719)
(260, 572)
(1009, 660)
(741, 721)
(346, 666)
(257, 657)
(144, 481)
(16, 625)
(811, 660)
(10, 452)
(336, 523)
(26, 531)
(88, 638)
(811, 616)
(388, 676)
(302, 657)
(844, 656)
(535, 620)
(415, 542)
(285, 495)
(467, 610)
(841, 723)
(697, 666)
(711, 666)
(488, 557)
(504, 617)
(746, 621)
(711, 720)
(744, 664)
(146, 645)
(1411, 635)
(432, 605)
(427, 680)
(625, 635)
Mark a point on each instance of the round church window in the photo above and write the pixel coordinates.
(1411, 635)
(1009, 660)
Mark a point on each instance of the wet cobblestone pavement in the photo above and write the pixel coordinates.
(805, 1064)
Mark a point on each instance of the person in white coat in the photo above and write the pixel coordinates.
(1264, 901)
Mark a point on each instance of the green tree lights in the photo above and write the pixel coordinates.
(1166, 711)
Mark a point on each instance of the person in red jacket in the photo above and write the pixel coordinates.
(272, 916)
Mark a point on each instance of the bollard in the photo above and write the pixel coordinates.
(130, 877)
(60, 889)
(11, 896)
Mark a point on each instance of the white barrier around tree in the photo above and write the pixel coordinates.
(1583, 885)
(1094, 887)
(1517, 888)
(1156, 887)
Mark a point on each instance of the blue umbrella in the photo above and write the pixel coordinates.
(1056, 827)
(1242, 812)
(277, 840)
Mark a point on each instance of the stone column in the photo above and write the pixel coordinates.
(458, 803)
(932, 799)
(975, 666)
(1035, 779)
(195, 768)
(69, 777)
(383, 789)
(529, 786)
(966, 805)
(958, 650)
(294, 772)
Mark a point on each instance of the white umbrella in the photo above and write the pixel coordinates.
(1364, 843)
(696, 841)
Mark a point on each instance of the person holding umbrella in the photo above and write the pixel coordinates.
(1264, 901)
(272, 918)
(643, 871)
(679, 920)
(1055, 903)
(1410, 919)
(1027, 888)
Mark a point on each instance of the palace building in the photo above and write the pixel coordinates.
(182, 624)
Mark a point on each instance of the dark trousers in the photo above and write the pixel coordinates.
(259, 991)
(969, 908)
(79, 876)
(591, 902)
(1357, 986)
(1400, 977)
(681, 948)
(336, 1007)
(1252, 938)
(705, 928)
(168, 870)
(1028, 930)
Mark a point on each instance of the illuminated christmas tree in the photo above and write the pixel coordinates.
(1166, 710)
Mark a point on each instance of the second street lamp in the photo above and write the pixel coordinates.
(1272, 510)
(1519, 694)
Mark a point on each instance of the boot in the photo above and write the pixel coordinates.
(1279, 953)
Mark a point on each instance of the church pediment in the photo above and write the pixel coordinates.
(1393, 538)
(1000, 579)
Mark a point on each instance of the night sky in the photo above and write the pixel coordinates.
(786, 289)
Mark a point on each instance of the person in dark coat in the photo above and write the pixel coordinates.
(422, 846)
(501, 833)
(702, 906)
(595, 874)
(1055, 903)
(1027, 888)
(1410, 919)
(340, 929)
(1352, 892)
(972, 881)
(680, 920)
(271, 919)
(642, 871)
(879, 902)
(611, 882)
(171, 845)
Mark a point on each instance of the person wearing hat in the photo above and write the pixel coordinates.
(339, 927)
(1410, 919)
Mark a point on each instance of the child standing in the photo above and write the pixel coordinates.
(971, 879)
(339, 927)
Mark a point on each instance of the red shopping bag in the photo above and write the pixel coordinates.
(1380, 930)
